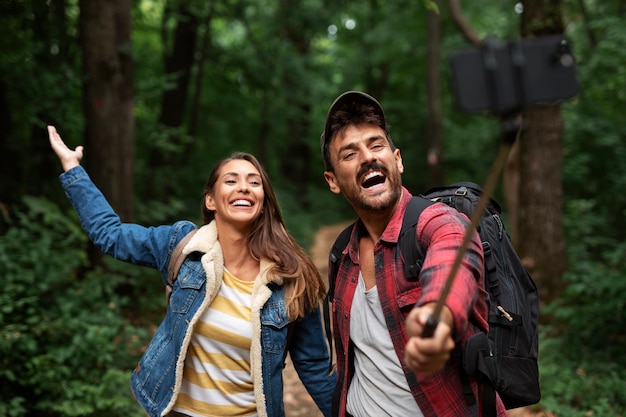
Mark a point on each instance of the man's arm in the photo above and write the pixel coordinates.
(442, 229)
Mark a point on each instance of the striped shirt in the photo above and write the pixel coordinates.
(216, 378)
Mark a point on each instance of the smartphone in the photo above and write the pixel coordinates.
(506, 77)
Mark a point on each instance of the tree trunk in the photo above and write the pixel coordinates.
(433, 91)
(200, 63)
(178, 64)
(295, 160)
(179, 50)
(541, 242)
(510, 191)
(108, 101)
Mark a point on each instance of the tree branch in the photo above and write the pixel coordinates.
(465, 28)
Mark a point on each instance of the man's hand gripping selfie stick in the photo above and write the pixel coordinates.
(510, 131)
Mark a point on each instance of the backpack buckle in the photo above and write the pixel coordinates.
(486, 247)
(462, 191)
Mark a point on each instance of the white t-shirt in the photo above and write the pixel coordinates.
(379, 387)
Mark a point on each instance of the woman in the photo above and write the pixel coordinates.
(244, 286)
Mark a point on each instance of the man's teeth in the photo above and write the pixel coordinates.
(242, 203)
(372, 175)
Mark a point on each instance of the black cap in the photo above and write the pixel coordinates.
(344, 102)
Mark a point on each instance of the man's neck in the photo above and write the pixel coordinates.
(376, 221)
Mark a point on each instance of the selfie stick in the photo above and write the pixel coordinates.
(511, 131)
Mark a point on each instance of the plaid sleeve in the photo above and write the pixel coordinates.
(441, 230)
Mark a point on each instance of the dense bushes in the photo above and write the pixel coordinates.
(582, 362)
(65, 348)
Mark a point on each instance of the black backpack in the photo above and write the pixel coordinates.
(505, 359)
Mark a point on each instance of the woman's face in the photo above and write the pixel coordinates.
(238, 194)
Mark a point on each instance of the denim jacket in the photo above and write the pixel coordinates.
(156, 381)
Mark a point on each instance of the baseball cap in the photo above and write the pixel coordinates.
(344, 102)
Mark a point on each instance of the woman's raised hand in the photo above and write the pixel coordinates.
(69, 158)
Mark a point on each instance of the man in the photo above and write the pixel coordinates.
(384, 367)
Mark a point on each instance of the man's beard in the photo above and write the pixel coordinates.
(395, 183)
(363, 204)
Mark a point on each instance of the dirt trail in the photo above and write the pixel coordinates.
(298, 403)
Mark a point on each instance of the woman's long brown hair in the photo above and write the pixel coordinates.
(269, 239)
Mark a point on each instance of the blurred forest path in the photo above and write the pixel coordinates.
(298, 403)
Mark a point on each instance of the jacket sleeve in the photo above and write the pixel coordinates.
(441, 229)
(310, 357)
(147, 246)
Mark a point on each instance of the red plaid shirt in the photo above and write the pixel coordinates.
(440, 229)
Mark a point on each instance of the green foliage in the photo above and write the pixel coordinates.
(583, 368)
(595, 150)
(65, 348)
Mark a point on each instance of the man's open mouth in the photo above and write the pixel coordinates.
(373, 178)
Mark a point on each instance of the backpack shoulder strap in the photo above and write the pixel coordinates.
(333, 267)
(407, 241)
(335, 257)
(177, 258)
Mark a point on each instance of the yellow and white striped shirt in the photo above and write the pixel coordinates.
(216, 378)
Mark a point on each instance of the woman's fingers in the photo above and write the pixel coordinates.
(69, 158)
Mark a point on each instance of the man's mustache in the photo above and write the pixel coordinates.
(374, 166)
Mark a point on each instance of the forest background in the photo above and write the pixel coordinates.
(158, 91)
